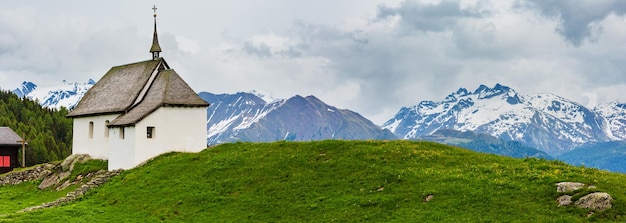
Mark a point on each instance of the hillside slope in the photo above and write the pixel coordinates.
(325, 181)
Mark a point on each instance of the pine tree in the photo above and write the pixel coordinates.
(48, 131)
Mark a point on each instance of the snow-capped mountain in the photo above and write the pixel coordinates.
(544, 121)
(25, 89)
(247, 117)
(66, 94)
(615, 113)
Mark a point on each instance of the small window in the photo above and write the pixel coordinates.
(5, 161)
(150, 132)
(106, 129)
(121, 132)
(91, 130)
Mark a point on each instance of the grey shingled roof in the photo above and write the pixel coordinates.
(116, 90)
(167, 89)
(8, 137)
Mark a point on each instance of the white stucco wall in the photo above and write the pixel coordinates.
(181, 129)
(96, 146)
(122, 151)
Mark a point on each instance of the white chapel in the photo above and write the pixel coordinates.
(138, 111)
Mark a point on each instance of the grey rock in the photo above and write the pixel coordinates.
(595, 201)
(70, 161)
(64, 175)
(569, 186)
(564, 200)
(33, 173)
(428, 198)
(65, 184)
(44, 174)
(49, 181)
(99, 178)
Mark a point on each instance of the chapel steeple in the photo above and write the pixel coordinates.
(155, 49)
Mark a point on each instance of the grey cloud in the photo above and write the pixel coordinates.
(429, 17)
(387, 68)
(576, 17)
(260, 50)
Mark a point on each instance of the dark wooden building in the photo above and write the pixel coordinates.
(10, 144)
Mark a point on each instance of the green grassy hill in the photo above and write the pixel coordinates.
(327, 181)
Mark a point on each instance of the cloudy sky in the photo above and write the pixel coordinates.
(370, 56)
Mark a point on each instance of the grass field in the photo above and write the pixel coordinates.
(325, 181)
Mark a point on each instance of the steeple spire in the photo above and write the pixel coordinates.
(155, 49)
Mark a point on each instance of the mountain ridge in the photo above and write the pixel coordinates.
(247, 117)
(545, 121)
(66, 94)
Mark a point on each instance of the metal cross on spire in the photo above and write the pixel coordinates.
(155, 49)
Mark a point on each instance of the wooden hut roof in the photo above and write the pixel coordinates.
(9, 138)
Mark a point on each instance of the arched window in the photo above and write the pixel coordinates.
(106, 129)
(121, 132)
(91, 130)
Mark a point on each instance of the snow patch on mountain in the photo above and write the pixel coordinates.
(615, 113)
(266, 96)
(258, 115)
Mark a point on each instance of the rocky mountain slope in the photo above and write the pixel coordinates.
(247, 117)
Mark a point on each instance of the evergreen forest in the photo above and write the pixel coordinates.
(47, 130)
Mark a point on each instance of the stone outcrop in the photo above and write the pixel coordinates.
(564, 200)
(597, 201)
(30, 174)
(569, 186)
(57, 175)
(98, 179)
(60, 173)
(428, 198)
(70, 161)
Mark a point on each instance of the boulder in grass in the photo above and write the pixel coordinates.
(595, 201)
(569, 186)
